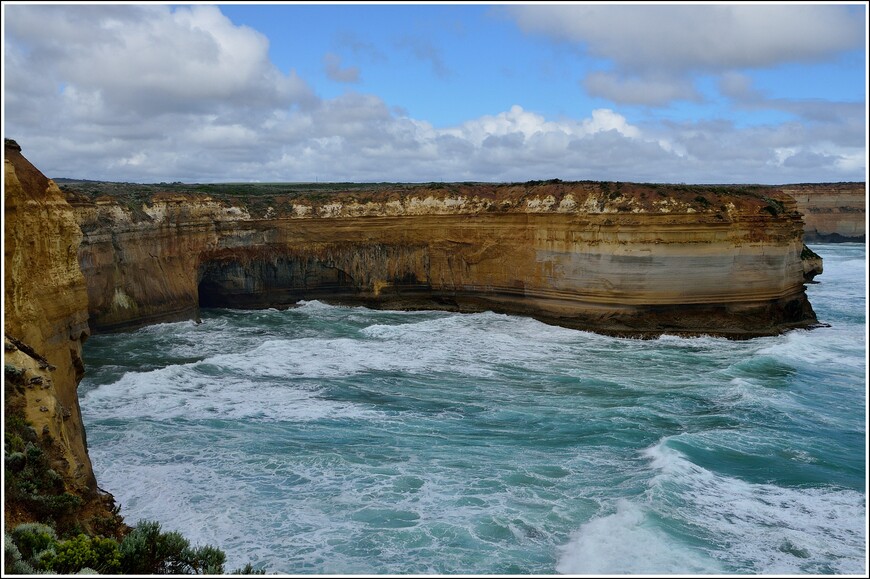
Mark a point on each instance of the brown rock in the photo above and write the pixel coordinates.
(832, 211)
(626, 258)
(45, 318)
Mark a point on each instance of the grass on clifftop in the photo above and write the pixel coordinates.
(264, 199)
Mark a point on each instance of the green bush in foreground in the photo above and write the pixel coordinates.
(34, 548)
(83, 552)
(56, 545)
(33, 538)
(13, 562)
(148, 551)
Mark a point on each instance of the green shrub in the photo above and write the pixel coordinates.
(13, 373)
(774, 206)
(249, 569)
(54, 506)
(15, 461)
(29, 480)
(33, 548)
(807, 253)
(28, 548)
(13, 562)
(139, 549)
(32, 538)
(148, 551)
(82, 552)
(208, 560)
(44, 560)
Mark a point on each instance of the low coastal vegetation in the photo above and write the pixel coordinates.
(321, 191)
(272, 199)
(61, 538)
(32, 548)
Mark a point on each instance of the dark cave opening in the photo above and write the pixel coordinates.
(270, 282)
(210, 295)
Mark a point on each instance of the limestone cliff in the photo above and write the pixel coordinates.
(832, 211)
(619, 258)
(45, 323)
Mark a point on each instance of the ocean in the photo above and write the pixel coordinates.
(342, 440)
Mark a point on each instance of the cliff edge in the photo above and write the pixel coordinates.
(618, 258)
(45, 323)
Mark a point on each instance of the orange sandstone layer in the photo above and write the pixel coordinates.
(45, 322)
(625, 259)
(832, 211)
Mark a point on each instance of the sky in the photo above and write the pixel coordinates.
(417, 92)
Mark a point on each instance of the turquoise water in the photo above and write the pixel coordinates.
(345, 440)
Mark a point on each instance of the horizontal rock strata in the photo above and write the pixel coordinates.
(624, 259)
(45, 322)
(833, 212)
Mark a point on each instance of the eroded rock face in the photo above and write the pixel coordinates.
(832, 211)
(637, 260)
(45, 317)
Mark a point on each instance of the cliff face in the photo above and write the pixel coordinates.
(832, 211)
(637, 260)
(45, 322)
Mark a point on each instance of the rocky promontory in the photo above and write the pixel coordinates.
(618, 258)
(45, 322)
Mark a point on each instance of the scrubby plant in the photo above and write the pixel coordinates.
(33, 538)
(13, 562)
(30, 481)
(29, 547)
(249, 569)
(40, 492)
(83, 552)
(207, 560)
(13, 373)
(32, 548)
(702, 200)
(148, 551)
(807, 253)
(774, 206)
(141, 549)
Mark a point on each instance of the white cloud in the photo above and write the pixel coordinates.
(699, 37)
(101, 93)
(517, 121)
(127, 58)
(843, 123)
(639, 90)
(656, 50)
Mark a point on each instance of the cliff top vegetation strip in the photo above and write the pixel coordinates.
(605, 196)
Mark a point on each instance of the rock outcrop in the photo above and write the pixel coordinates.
(45, 323)
(625, 259)
(833, 212)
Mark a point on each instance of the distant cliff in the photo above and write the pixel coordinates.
(618, 258)
(832, 211)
